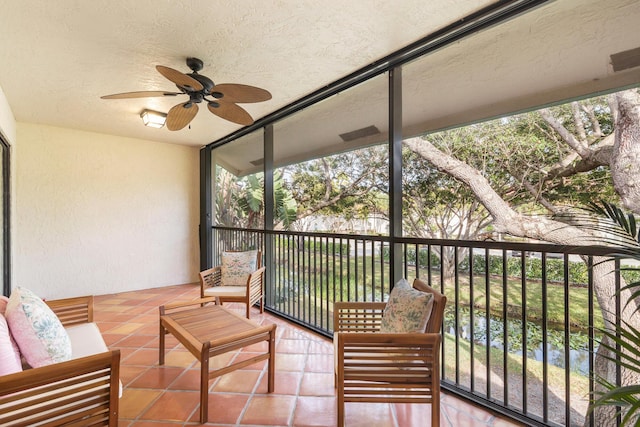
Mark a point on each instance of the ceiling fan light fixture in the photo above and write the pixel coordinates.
(154, 119)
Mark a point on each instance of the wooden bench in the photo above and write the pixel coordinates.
(83, 391)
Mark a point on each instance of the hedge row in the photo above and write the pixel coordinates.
(578, 271)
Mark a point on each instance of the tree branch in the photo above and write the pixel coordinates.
(578, 146)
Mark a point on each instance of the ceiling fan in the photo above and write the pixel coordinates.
(222, 100)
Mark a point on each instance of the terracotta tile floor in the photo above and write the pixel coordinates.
(156, 396)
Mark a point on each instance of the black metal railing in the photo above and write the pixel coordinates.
(518, 335)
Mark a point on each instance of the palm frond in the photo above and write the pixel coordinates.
(624, 345)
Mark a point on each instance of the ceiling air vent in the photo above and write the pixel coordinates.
(258, 162)
(625, 60)
(359, 133)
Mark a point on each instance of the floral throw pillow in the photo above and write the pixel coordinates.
(237, 266)
(36, 329)
(407, 311)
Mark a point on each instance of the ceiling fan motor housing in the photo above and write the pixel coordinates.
(205, 81)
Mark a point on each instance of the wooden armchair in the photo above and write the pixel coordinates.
(212, 283)
(387, 367)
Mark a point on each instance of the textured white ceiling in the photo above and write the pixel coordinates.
(58, 57)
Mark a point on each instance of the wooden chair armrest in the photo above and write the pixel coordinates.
(81, 391)
(368, 351)
(255, 278)
(217, 275)
(357, 316)
(72, 311)
(209, 278)
(183, 304)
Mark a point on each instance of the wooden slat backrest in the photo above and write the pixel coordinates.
(72, 311)
(357, 316)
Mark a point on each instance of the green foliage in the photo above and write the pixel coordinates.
(240, 201)
(623, 340)
(578, 272)
(352, 184)
(410, 255)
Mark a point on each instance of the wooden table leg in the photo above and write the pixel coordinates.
(272, 359)
(161, 345)
(204, 385)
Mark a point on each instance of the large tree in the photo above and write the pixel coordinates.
(346, 185)
(584, 146)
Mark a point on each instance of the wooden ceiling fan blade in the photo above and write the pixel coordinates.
(240, 93)
(230, 111)
(141, 94)
(180, 79)
(181, 115)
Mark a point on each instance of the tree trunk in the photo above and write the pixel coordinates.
(625, 161)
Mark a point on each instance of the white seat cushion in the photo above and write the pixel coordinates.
(86, 340)
(226, 291)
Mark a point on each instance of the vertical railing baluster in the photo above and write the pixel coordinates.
(545, 354)
(456, 322)
(299, 279)
(355, 267)
(505, 331)
(342, 271)
(591, 333)
(278, 270)
(443, 350)
(429, 269)
(472, 360)
(618, 284)
(382, 276)
(315, 279)
(364, 270)
(523, 319)
(309, 250)
(567, 343)
(487, 319)
(349, 271)
(373, 271)
(324, 289)
(333, 269)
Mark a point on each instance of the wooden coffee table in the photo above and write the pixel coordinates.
(210, 330)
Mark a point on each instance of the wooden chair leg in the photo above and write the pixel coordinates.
(340, 409)
(435, 410)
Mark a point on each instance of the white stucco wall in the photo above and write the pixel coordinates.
(98, 214)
